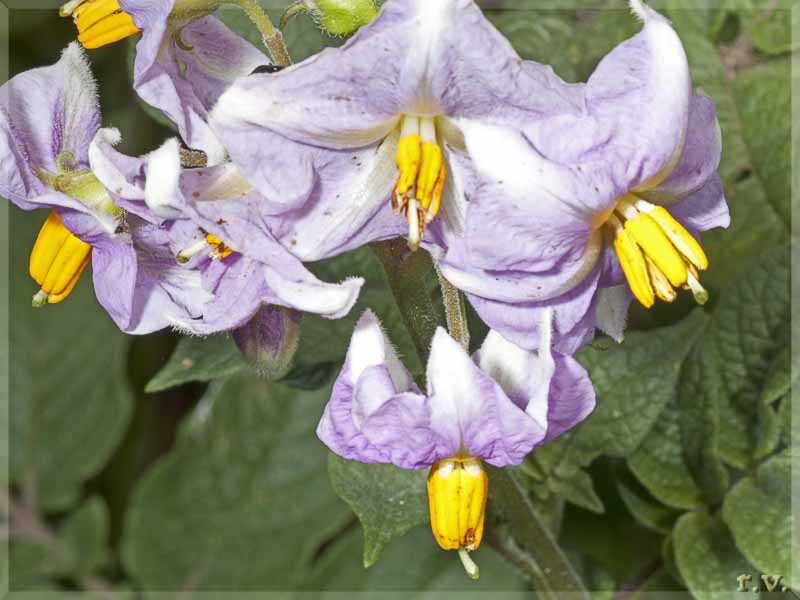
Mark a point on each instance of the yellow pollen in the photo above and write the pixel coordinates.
(57, 260)
(102, 22)
(656, 253)
(457, 490)
(219, 249)
(422, 173)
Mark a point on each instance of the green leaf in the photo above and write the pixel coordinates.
(388, 501)
(720, 396)
(758, 512)
(243, 501)
(660, 466)
(579, 490)
(707, 557)
(199, 359)
(764, 103)
(84, 537)
(70, 400)
(648, 511)
(413, 562)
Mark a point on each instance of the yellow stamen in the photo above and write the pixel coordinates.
(219, 249)
(660, 283)
(57, 260)
(422, 175)
(633, 263)
(102, 22)
(682, 239)
(657, 246)
(408, 158)
(698, 291)
(431, 172)
(457, 490)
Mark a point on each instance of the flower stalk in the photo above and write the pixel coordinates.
(271, 35)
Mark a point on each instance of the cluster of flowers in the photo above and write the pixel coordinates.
(550, 205)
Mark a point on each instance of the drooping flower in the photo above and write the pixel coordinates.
(211, 220)
(596, 204)
(496, 407)
(49, 120)
(185, 59)
(338, 141)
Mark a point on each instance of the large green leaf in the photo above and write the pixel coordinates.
(199, 359)
(388, 501)
(243, 502)
(707, 557)
(758, 511)
(720, 396)
(70, 400)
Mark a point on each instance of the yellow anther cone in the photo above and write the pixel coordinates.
(634, 266)
(682, 239)
(57, 260)
(655, 244)
(102, 22)
(431, 171)
(408, 158)
(457, 490)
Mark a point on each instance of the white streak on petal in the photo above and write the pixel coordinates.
(162, 189)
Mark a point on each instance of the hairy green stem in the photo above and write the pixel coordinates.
(294, 9)
(407, 272)
(455, 310)
(531, 545)
(273, 38)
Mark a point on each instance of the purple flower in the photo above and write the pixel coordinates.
(49, 121)
(337, 141)
(211, 220)
(185, 59)
(495, 407)
(597, 203)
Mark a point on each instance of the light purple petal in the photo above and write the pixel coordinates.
(44, 112)
(612, 310)
(376, 413)
(166, 294)
(700, 157)
(704, 209)
(185, 84)
(636, 111)
(114, 267)
(471, 413)
(571, 398)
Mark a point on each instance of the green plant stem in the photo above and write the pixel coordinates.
(531, 546)
(272, 36)
(455, 310)
(407, 272)
(294, 9)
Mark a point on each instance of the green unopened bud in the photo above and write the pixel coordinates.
(269, 341)
(335, 17)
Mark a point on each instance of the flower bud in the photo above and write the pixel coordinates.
(341, 17)
(269, 341)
